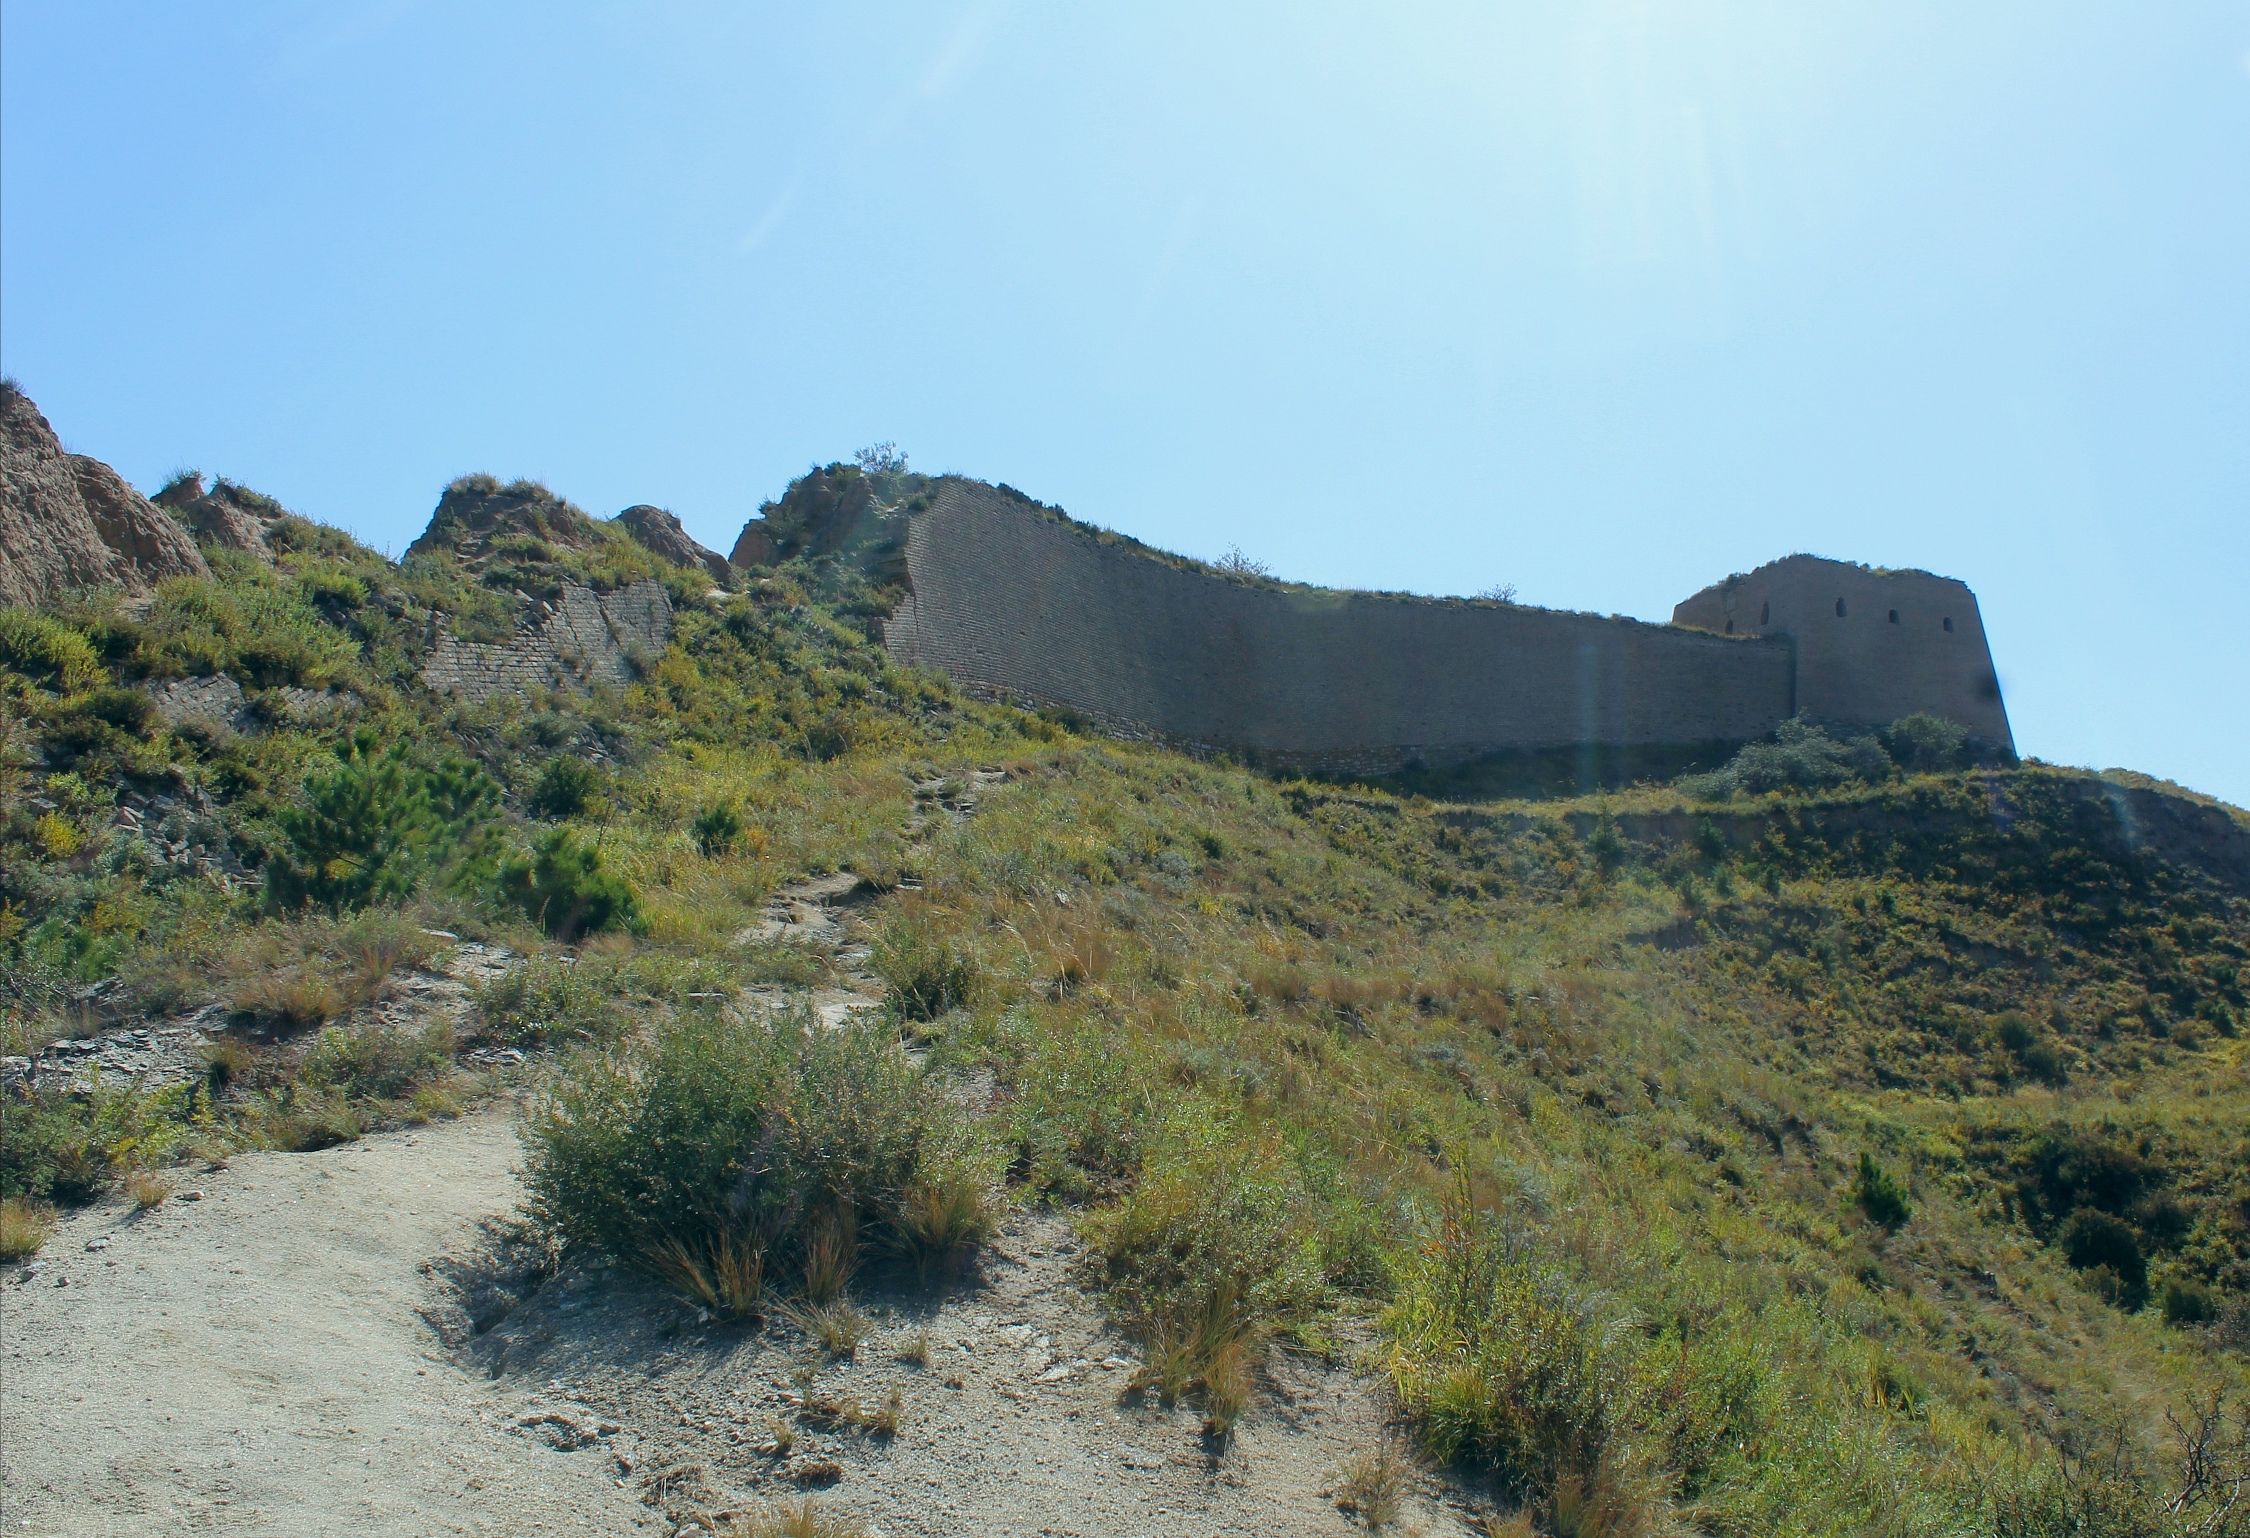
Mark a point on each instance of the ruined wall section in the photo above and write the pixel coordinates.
(1007, 599)
(583, 637)
(1871, 645)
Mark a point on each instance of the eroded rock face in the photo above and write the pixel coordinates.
(68, 522)
(827, 512)
(660, 532)
(583, 637)
(229, 516)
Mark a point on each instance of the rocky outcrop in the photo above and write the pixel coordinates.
(583, 637)
(68, 522)
(659, 532)
(229, 516)
(838, 511)
(477, 513)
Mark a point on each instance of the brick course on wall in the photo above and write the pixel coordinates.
(1010, 600)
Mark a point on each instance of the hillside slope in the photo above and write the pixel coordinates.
(1865, 1154)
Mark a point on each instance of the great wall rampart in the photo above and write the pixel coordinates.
(1011, 599)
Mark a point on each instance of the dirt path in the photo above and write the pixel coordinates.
(1013, 1411)
(268, 1360)
(257, 1362)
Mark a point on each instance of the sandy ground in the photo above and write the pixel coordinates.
(1019, 1422)
(257, 1362)
(313, 1348)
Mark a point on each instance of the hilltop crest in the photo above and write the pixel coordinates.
(479, 517)
(70, 522)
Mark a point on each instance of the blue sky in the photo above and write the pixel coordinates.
(1602, 300)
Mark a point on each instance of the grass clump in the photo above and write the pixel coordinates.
(1210, 1254)
(924, 976)
(805, 1519)
(1373, 1484)
(24, 1227)
(769, 1135)
(1501, 1363)
(149, 1189)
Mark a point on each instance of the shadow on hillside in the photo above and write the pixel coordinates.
(1536, 774)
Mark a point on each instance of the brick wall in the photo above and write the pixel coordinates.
(1009, 600)
(582, 637)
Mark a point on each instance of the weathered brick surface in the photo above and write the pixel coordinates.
(1871, 646)
(583, 637)
(1010, 601)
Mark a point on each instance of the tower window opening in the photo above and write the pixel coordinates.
(1949, 624)
(1765, 614)
(1894, 616)
(1839, 608)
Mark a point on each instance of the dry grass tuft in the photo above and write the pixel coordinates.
(831, 1256)
(149, 1189)
(727, 1275)
(838, 1328)
(946, 1213)
(1604, 1504)
(1373, 1485)
(24, 1227)
(227, 1061)
(803, 1520)
(831, 1413)
(1226, 1386)
(295, 997)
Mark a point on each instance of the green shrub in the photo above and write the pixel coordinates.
(2189, 1302)
(1500, 1363)
(722, 1138)
(376, 1062)
(46, 651)
(924, 976)
(69, 1147)
(565, 787)
(1209, 1220)
(562, 884)
(377, 825)
(716, 828)
(1801, 756)
(1879, 1194)
(2093, 1240)
(1213, 1250)
(547, 999)
(1923, 744)
(243, 623)
(1081, 1109)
